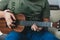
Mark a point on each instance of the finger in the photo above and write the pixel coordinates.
(40, 28)
(12, 25)
(9, 26)
(7, 10)
(9, 21)
(13, 16)
(33, 28)
(8, 18)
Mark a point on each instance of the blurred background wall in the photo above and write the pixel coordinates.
(53, 2)
(55, 16)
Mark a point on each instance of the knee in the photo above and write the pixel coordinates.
(49, 36)
(13, 36)
(43, 36)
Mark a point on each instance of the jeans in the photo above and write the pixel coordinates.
(2, 37)
(31, 35)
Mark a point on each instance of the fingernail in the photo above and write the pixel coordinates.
(35, 30)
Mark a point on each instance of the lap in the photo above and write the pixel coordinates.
(31, 35)
(46, 35)
(13, 36)
(49, 36)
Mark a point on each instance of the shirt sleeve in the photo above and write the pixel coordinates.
(46, 10)
(3, 4)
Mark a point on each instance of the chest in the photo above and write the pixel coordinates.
(17, 6)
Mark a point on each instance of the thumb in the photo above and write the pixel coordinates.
(13, 16)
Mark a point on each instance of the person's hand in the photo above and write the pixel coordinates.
(36, 28)
(7, 16)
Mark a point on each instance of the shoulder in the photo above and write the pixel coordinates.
(3, 4)
(42, 3)
(3, 0)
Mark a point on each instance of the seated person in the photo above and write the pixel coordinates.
(35, 10)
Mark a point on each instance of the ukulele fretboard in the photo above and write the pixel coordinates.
(30, 23)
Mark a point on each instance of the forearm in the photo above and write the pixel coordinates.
(1, 14)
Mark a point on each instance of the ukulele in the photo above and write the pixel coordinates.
(21, 23)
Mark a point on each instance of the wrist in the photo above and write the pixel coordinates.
(2, 14)
(5, 12)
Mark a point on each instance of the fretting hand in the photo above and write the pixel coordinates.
(36, 28)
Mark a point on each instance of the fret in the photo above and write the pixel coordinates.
(30, 23)
(44, 24)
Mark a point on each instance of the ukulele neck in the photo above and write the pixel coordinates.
(41, 24)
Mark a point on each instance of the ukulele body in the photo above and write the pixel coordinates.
(4, 29)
